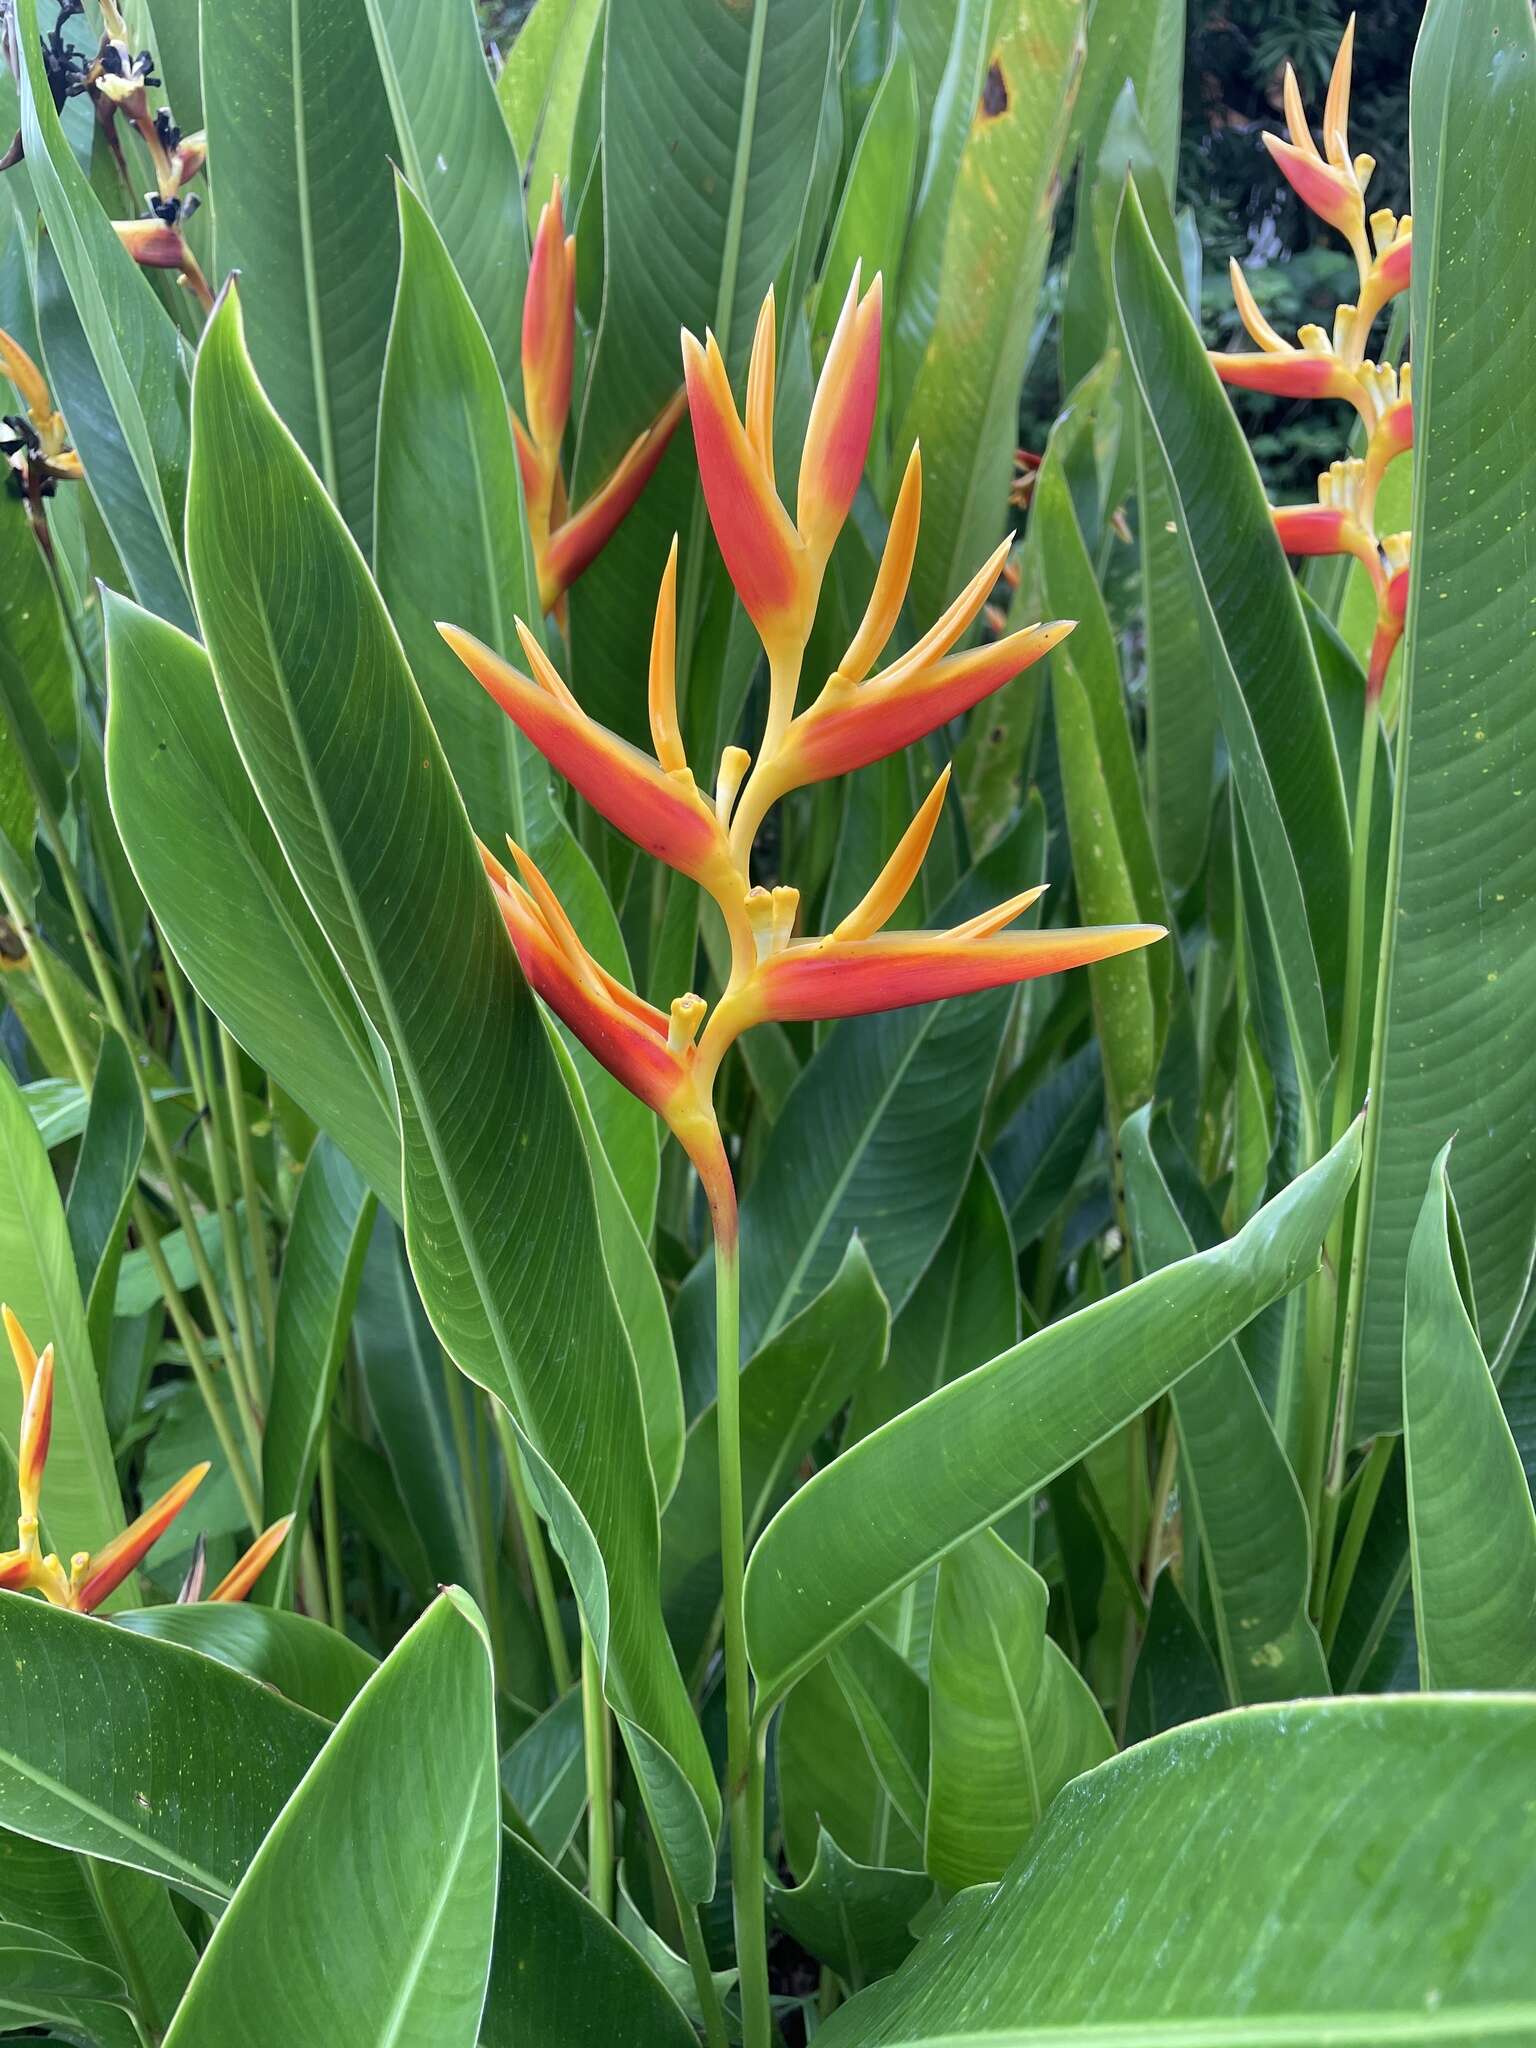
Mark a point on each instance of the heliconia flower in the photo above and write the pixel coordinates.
(37, 451)
(576, 542)
(1338, 524)
(651, 1053)
(549, 329)
(1298, 373)
(661, 810)
(1330, 182)
(764, 556)
(153, 244)
(842, 418)
(859, 967)
(822, 978)
(566, 543)
(35, 1434)
(237, 1583)
(93, 1578)
(777, 563)
(1391, 610)
(1391, 436)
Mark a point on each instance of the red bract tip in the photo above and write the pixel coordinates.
(36, 1431)
(764, 556)
(842, 418)
(549, 326)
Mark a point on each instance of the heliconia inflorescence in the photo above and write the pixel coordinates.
(670, 1059)
(1343, 521)
(566, 543)
(93, 1577)
(34, 443)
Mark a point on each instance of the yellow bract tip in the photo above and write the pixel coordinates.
(900, 871)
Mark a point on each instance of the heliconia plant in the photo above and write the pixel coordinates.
(527, 633)
(671, 1059)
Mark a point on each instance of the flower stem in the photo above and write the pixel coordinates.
(744, 1759)
(597, 1749)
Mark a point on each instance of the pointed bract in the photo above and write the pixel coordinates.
(96, 1577)
(842, 418)
(237, 1583)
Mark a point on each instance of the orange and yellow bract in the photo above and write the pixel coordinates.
(1343, 521)
(670, 1060)
(93, 1576)
(566, 543)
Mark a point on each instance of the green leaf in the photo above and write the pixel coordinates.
(377, 1885)
(851, 1734)
(792, 1389)
(322, 1269)
(81, 1506)
(541, 82)
(963, 1311)
(1238, 1489)
(37, 685)
(504, 1242)
(997, 234)
(544, 1776)
(564, 1977)
(221, 1754)
(1181, 706)
(132, 339)
(1472, 1529)
(1453, 1048)
(300, 136)
(1175, 1679)
(106, 1175)
(150, 555)
(197, 836)
(411, 1390)
(1012, 1720)
(1044, 1147)
(445, 441)
(33, 1965)
(1284, 764)
(312, 1665)
(1114, 868)
(168, 1720)
(1367, 1815)
(883, 1511)
(457, 154)
(855, 1918)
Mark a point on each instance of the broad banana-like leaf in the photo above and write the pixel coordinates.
(1239, 1493)
(503, 1234)
(300, 138)
(459, 157)
(322, 1271)
(377, 1884)
(1453, 1050)
(1012, 1720)
(997, 234)
(893, 1504)
(1357, 1812)
(1471, 1526)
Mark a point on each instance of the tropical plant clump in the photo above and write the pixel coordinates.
(1016, 1526)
